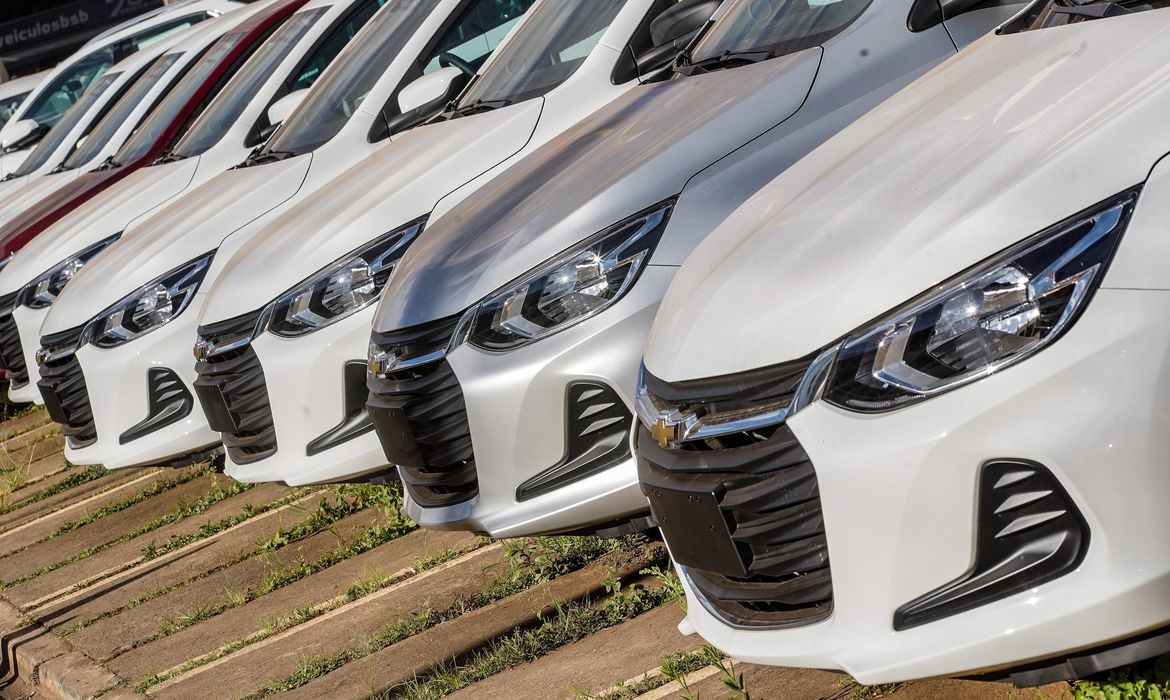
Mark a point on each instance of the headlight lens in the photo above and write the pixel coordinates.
(150, 307)
(984, 320)
(345, 287)
(43, 291)
(571, 287)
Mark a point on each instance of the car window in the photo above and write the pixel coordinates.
(339, 93)
(163, 115)
(52, 103)
(554, 42)
(775, 27)
(8, 106)
(1056, 13)
(158, 32)
(61, 130)
(120, 112)
(480, 28)
(238, 94)
(337, 40)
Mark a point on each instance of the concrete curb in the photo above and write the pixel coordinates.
(42, 660)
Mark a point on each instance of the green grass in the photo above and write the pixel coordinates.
(670, 667)
(1148, 680)
(532, 561)
(77, 478)
(572, 622)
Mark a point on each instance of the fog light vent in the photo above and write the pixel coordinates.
(1028, 532)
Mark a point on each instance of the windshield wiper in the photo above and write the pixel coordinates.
(170, 157)
(477, 107)
(107, 164)
(727, 59)
(270, 157)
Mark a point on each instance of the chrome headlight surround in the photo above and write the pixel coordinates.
(43, 291)
(569, 288)
(346, 286)
(985, 319)
(148, 308)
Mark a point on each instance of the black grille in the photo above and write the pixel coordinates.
(233, 393)
(11, 353)
(62, 385)
(742, 513)
(421, 418)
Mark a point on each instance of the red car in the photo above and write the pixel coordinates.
(160, 129)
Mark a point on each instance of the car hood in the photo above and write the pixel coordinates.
(1004, 140)
(193, 225)
(640, 149)
(400, 183)
(97, 219)
(35, 188)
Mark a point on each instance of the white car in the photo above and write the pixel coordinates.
(316, 272)
(239, 119)
(13, 92)
(69, 80)
(124, 313)
(49, 178)
(903, 409)
(523, 312)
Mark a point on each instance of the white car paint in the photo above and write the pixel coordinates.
(1014, 135)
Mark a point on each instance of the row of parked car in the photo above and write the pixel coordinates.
(755, 273)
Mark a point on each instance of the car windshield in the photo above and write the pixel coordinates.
(164, 114)
(61, 130)
(227, 108)
(553, 43)
(116, 117)
(8, 107)
(337, 95)
(772, 28)
(52, 102)
(1061, 12)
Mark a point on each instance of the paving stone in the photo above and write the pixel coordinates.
(22, 451)
(458, 638)
(43, 474)
(135, 626)
(15, 426)
(58, 508)
(102, 531)
(335, 630)
(171, 569)
(119, 557)
(253, 666)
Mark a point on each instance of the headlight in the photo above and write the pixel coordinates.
(43, 291)
(150, 307)
(348, 285)
(571, 287)
(984, 320)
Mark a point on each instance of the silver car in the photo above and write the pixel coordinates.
(506, 346)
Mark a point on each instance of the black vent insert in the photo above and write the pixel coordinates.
(11, 352)
(232, 390)
(168, 402)
(62, 385)
(421, 418)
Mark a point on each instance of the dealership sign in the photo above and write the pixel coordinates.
(67, 19)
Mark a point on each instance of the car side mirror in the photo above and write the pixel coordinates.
(20, 134)
(426, 96)
(669, 33)
(283, 108)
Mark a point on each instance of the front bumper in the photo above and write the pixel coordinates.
(27, 324)
(310, 395)
(143, 408)
(898, 496)
(523, 411)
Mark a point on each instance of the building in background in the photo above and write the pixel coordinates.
(36, 34)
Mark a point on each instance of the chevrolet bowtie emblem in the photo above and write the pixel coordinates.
(664, 433)
(202, 350)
